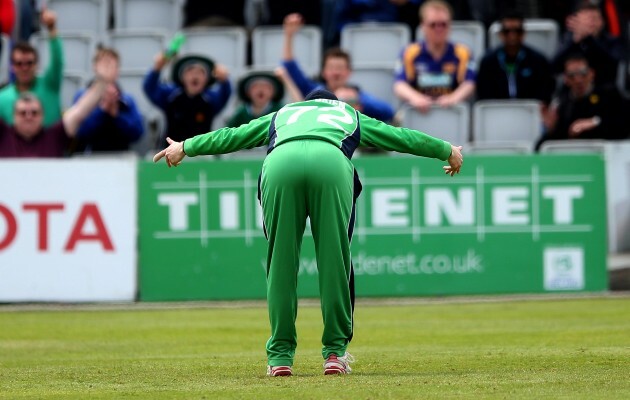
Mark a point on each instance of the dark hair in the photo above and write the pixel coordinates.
(24, 47)
(336, 52)
(320, 94)
(577, 57)
(512, 14)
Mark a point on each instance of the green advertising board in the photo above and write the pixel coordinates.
(506, 224)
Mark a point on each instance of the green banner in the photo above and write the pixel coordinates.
(506, 224)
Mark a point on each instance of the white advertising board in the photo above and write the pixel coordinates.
(68, 230)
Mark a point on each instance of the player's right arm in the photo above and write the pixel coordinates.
(221, 141)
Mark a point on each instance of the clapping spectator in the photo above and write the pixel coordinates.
(514, 70)
(116, 123)
(29, 138)
(586, 111)
(336, 72)
(435, 71)
(47, 87)
(586, 35)
(192, 101)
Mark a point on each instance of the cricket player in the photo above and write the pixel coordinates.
(308, 174)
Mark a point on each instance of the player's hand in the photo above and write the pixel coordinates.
(174, 153)
(455, 161)
(580, 126)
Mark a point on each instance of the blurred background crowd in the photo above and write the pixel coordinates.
(84, 77)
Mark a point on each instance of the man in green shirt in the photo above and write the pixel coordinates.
(47, 87)
(308, 173)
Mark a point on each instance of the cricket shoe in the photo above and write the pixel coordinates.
(279, 371)
(338, 365)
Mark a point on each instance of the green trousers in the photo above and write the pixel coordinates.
(300, 179)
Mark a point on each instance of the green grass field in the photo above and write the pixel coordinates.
(505, 349)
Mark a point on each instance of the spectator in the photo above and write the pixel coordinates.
(358, 11)
(29, 138)
(213, 13)
(260, 94)
(191, 102)
(336, 71)
(586, 111)
(435, 71)
(47, 88)
(116, 122)
(514, 70)
(586, 35)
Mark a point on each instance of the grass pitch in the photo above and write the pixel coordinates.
(549, 348)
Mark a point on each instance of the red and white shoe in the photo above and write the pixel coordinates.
(338, 365)
(279, 371)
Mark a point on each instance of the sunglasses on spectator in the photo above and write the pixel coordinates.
(438, 24)
(27, 113)
(578, 72)
(507, 31)
(20, 64)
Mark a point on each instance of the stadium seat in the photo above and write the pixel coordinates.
(72, 82)
(4, 58)
(148, 14)
(501, 121)
(227, 46)
(540, 34)
(451, 124)
(377, 81)
(78, 49)
(375, 43)
(597, 146)
(470, 33)
(74, 16)
(137, 49)
(268, 42)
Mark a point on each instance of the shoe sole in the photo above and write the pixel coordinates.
(282, 372)
(334, 371)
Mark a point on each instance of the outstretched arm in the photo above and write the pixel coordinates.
(221, 141)
(378, 134)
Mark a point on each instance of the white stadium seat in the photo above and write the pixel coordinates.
(75, 16)
(374, 43)
(78, 49)
(72, 82)
(377, 81)
(500, 121)
(226, 45)
(137, 49)
(148, 14)
(268, 42)
(451, 124)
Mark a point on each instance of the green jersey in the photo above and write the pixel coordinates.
(330, 120)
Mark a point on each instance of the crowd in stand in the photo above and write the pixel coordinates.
(577, 89)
